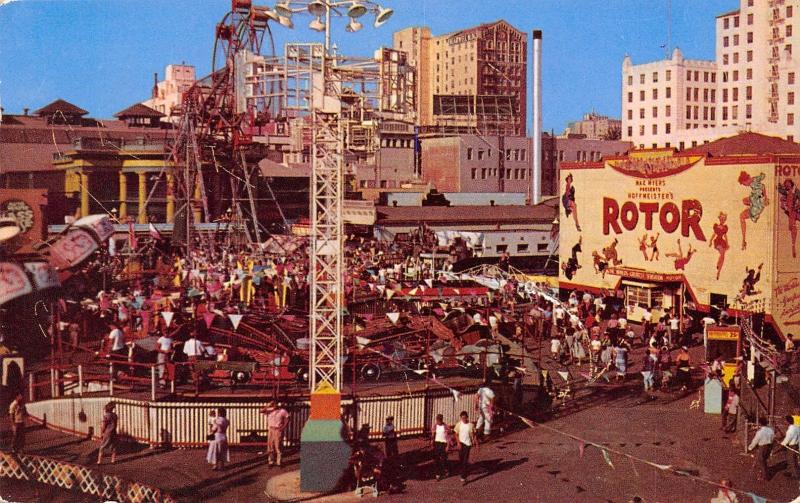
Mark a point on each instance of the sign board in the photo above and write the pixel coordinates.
(14, 282)
(25, 206)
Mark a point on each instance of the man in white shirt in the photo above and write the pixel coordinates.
(485, 409)
(763, 442)
(792, 442)
(439, 440)
(193, 349)
(559, 313)
(465, 431)
(164, 351)
(117, 339)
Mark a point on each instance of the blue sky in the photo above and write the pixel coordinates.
(101, 54)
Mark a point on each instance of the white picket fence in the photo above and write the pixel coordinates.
(185, 424)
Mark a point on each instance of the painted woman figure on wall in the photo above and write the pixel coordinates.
(719, 240)
(571, 266)
(680, 259)
(754, 203)
(568, 201)
(790, 204)
(643, 246)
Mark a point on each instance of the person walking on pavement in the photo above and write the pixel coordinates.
(792, 442)
(441, 439)
(17, 413)
(730, 411)
(762, 441)
(108, 433)
(485, 404)
(465, 431)
(277, 420)
(164, 352)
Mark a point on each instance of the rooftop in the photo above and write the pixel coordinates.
(139, 110)
(748, 143)
(62, 106)
(491, 215)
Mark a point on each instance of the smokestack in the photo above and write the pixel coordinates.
(154, 92)
(25, 111)
(536, 155)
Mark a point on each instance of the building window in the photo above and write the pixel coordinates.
(655, 112)
(736, 22)
(725, 41)
(749, 37)
(641, 78)
(696, 92)
(724, 113)
(726, 23)
(522, 248)
(668, 127)
(641, 95)
(641, 113)
(748, 110)
(713, 114)
(688, 75)
(789, 11)
(655, 94)
(736, 75)
(667, 111)
(668, 92)
(749, 74)
(630, 131)
(641, 130)
(734, 112)
(735, 94)
(724, 76)
(630, 80)
(630, 114)
(668, 75)
(474, 173)
(705, 113)
(788, 50)
(469, 153)
(523, 154)
(483, 173)
(789, 30)
(655, 128)
(630, 97)
(790, 119)
(790, 77)
(736, 40)
(655, 77)
(749, 56)
(724, 59)
(705, 94)
(688, 93)
(735, 57)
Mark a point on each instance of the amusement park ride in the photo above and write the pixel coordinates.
(221, 117)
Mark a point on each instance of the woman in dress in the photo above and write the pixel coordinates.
(790, 204)
(719, 240)
(643, 246)
(108, 433)
(218, 453)
(568, 201)
(754, 203)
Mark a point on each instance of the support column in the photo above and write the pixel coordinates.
(170, 197)
(123, 195)
(142, 216)
(197, 202)
(84, 177)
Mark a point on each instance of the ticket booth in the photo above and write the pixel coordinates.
(726, 342)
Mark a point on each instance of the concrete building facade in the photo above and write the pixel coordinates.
(662, 98)
(473, 78)
(751, 86)
(470, 163)
(594, 126)
(167, 94)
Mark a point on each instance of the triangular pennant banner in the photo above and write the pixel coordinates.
(167, 315)
(393, 317)
(429, 282)
(564, 375)
(389, 294)
(423, 288)
(412, 292)
(235, 319)
(607, 458)
(456, 394)
(209, 319)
